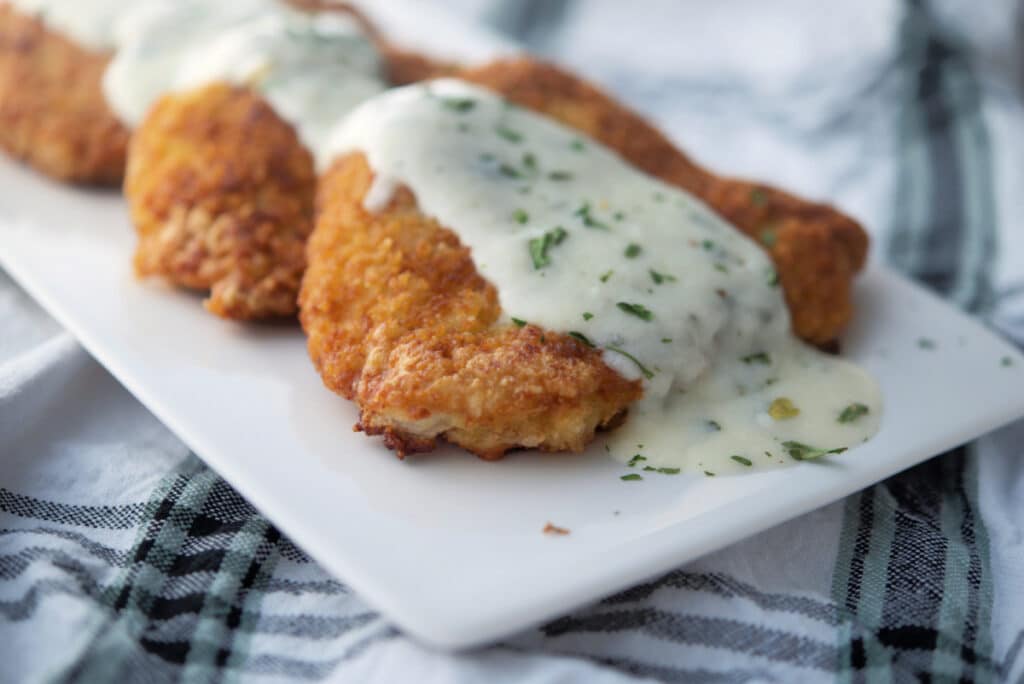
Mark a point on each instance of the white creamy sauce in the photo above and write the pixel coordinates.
(87, 22)
(312, 67)
(576, 240)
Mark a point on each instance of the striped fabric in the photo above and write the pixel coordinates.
(124, 558)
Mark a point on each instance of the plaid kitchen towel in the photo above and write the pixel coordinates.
(123, 558)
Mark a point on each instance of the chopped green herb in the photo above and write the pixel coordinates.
(587, 315)
(510, 171)
(1006, 361)
(709, 473)
(666, 340)
(714, 425)
(520, 216)
(589, 221)
(660, 278)
(458, 104)
(742, 460)
(643, 369)
(650, 469)
(581, 337)
(638, 310)
(668, 471)
(721, 267)
(802, 452)
(633, 250)
(768, 237)
(606, 275)
(783, 409)
(853, 412)
(508, 134)
(773, 277)
(539, 246)
(758, 197)
(636, 459)
(926, 343)
(577, 145)
(708, 245)
(618, 216)
(560, 176)
(760, 357)
(519, 322)
(632, 477)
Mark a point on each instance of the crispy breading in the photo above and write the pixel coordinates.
(400, 321)
(52, 111)
(817, 249)
(221, 193)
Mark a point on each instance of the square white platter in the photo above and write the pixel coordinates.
(449, 547)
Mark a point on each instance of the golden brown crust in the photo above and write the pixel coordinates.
(817, 249)
(221, 193)
(52, 111)
(399, 320)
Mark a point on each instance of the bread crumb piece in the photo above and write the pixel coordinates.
(554, 529)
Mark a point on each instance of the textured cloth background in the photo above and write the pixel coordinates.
(123, 558)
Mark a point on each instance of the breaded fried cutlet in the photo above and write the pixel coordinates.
(400, 320)
(52, 111)
(216, 212)
(817, 249)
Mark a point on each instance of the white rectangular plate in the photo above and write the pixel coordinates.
(447, 546)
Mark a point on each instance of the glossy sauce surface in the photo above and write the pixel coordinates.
(311, 67)
(578, 241)
(89, 23)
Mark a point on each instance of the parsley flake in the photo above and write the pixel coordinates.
(509, 134)
(632, 477)
(638, 310)
(760, 357)
(587, 315)
(458, 104)
(660, 278)
(803, 452)
(742, 460)
(589, 221)
(520, 216)
(581, 337)
(853, 412)
(539, 246)
(633, 250)
(643, 369)
(519, 322)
